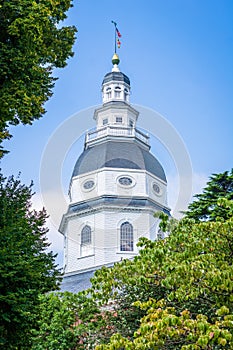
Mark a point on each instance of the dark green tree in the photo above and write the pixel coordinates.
(32, 43)
(27, 268)
(205, 207)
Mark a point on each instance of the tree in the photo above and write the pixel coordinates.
(32, 43)
(176, 294)
(163, 329)
(190, 303)
(67, 321)
(27, 269)
(205, 206)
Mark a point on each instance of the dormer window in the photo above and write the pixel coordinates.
(117, 92)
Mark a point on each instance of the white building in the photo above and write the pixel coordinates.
(116, 187)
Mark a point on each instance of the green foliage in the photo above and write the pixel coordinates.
(182, 286)
(164, 329)
(32, 43)
(26, 267)
(205, 207)
(67, 321)
(176, 294)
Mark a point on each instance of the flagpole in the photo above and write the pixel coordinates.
(115, 33)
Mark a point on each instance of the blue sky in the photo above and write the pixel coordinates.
(178, 55)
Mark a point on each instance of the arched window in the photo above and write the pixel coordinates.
(108, 93)
(117, 92)
(86, 235)
(126, 94)
(126, 237)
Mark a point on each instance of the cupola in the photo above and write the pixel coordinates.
(116, 85)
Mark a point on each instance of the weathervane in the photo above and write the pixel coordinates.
(117, 36)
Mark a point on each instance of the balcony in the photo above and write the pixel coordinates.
(116, 131)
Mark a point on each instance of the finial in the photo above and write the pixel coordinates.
(115, 62)
(115, 59)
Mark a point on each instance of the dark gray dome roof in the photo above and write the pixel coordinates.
(115, 154)
(117, 76)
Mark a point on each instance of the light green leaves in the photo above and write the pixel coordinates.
(181, 287)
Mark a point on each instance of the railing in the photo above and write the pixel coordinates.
(141, 136)
(110, 130)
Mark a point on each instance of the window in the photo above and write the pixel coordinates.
(118, 119)
(105, 121)
(126, 94)
(125, 181)
(108, 93)
(86, 236)
(126, 237)
(88, 184)
(117, 92)
(86, 248)
(156, 188)
(131, 123)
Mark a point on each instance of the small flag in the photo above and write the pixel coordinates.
(117, 36)
(118, 33)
